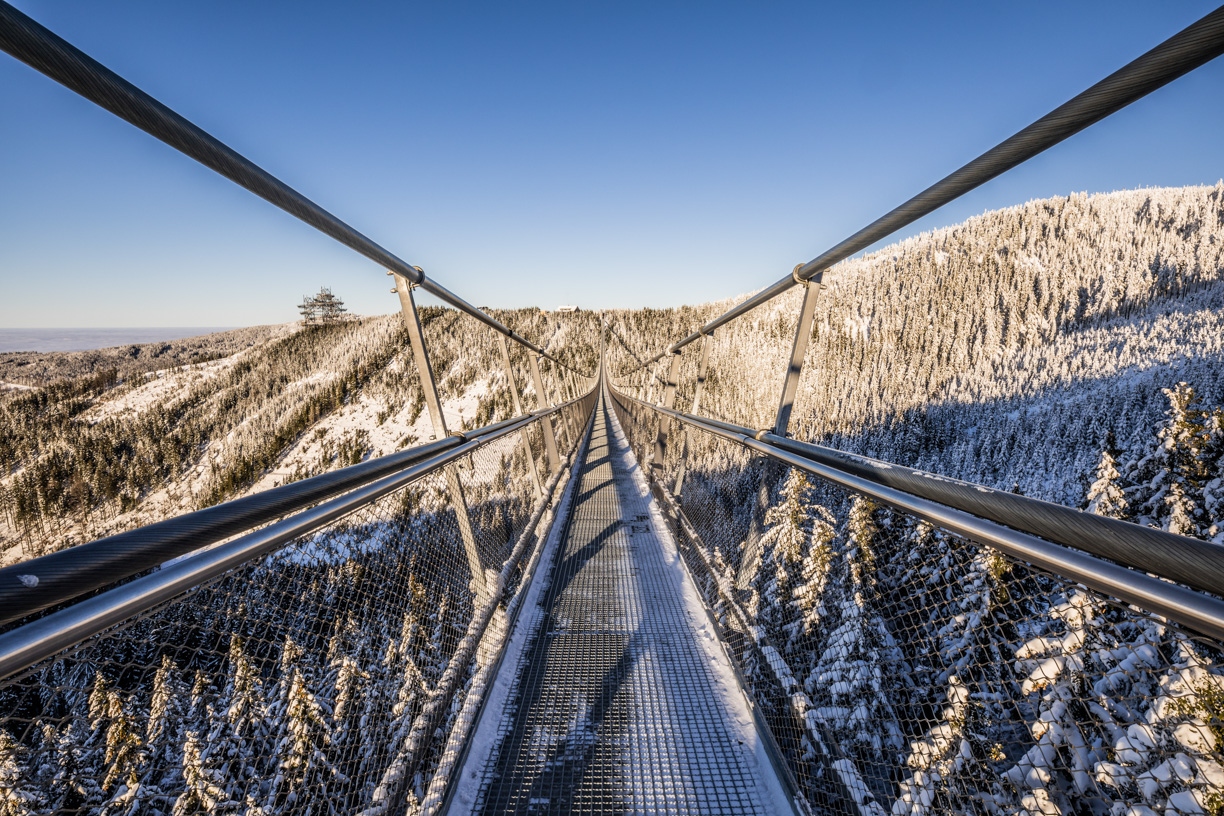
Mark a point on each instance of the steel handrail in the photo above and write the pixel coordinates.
(1194, 608)
(50, 54)
(39, 583)
(1193, 46)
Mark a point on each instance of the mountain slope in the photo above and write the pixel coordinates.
(1000, 350)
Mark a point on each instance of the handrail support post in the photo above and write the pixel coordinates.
(420, 353)
(546, 426)
(703, 364)
(669, 398)
(563, 425)
(803, 336)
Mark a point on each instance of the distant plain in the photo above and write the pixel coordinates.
(86, 339)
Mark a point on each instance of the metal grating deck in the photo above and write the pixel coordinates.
(622, 701)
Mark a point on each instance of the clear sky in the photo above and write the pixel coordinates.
(603, 154)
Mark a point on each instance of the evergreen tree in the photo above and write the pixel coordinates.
(303, 764)
(75, 781)
(809, 596)
(114, 728)
(16, 799)
(1169, 476)
(350, 685)
(239, 738)
(300, 733)
(1105, 495)
(1213, 490)
(203, 787)
(787, 537)
(857, 655)
(163, 736)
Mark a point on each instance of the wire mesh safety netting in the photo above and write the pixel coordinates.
(326, 677)
(903, 669)
(616, 705)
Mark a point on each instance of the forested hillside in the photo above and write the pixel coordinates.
(1069, 349)
(1004, 350)
(114, 445)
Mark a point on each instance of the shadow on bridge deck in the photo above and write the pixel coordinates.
(622, 700)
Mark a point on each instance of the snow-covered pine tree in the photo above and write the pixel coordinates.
(809, 596)
(853, 678)
(303, 767)
(346, 739)
(64, 769)
(1213, 490)
(787, 536)
(1105, 495)
(163, 728)
(16, 799)
(115, 729)
(1168, 477)
(946, 588)
(204, 791)
(239, 738)
(1122, 714)
(299, 731)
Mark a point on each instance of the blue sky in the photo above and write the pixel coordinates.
(600, 154)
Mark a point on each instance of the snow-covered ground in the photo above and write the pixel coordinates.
(157, 387)
(394, 432)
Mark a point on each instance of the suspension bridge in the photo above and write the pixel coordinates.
(556, 612)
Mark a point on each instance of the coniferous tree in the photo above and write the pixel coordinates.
(809, 596)
(1169, 476)
(1105, 495)
(239, 737)
(786, 539)
(164, 728)
(853, 671)
(16, 798)
(68, 773)
(204, 790)
(1213, 489)
(303, 769)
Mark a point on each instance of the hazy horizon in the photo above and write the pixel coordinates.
(87, 338)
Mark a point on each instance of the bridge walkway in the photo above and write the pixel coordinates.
(615, 696)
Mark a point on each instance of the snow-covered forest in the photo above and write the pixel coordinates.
(1001, 351)
(305, 676)
(1069, 349)
(120, 446)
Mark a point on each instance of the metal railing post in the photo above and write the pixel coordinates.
(650, 386)
(518, 411)
(803, 335)
(669, 398)
(563, 426)
(546, 427)
(416, 338)
(702, 364)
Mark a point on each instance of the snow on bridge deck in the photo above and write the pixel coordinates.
(615, 696)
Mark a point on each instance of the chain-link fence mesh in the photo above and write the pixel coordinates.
(902, 669)
(323, 678)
